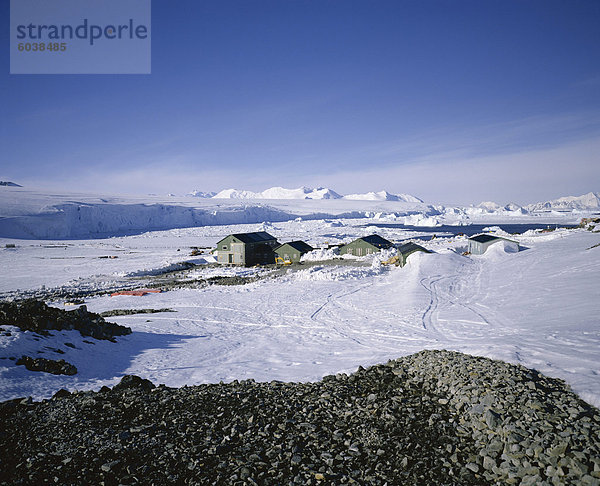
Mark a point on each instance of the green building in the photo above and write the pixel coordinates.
(366, 246)
(292, 251)
(407, 249)
(247, 249)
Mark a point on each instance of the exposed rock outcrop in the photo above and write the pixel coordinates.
(56, 367)
(34, 315)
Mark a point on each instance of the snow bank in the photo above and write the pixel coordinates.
(320, 254)
(499, 250)
(337, 273)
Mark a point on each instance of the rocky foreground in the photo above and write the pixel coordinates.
(432, 418)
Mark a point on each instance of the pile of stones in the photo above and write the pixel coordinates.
(34, 315)
(435, 417)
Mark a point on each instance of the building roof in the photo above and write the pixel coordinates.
(376, 240)
(410, 247)
(256, 237)
(301, 246)
(485, 238)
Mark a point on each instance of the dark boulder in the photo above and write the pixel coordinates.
(133, 382)
(56, 367)
(34, 315)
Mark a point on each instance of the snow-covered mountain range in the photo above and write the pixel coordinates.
(202, 194)
(492, 207)
(305, 193)
(383, 196)
(586, 202)
(280, 193)
(8, 183)
(591, 200)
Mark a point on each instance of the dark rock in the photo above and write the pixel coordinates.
(133, 382)
(34, 315)
(62, 393)
(129, 312)
(60, 367)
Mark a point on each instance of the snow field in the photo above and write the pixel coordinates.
(538, 307)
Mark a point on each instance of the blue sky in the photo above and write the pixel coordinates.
(453, 101)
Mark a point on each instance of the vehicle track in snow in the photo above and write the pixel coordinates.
(333, 299)
(454, 311)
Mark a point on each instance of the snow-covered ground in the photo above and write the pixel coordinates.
(538, 307)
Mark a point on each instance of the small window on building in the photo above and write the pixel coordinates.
(224, 247)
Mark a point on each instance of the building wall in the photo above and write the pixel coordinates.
(478, 248)
(231, 250)
(358, 248)
(259, 253)
(402, 257)
(289, 253)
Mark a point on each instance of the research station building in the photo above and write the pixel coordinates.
(292, 252)
(247, 249)
(407, 249)
(366, 246)
(480, 243)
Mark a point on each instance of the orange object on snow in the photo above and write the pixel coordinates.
(138, 293)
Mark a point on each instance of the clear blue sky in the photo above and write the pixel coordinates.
(453, 101)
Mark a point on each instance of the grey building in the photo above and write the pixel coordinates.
(480, 243)
(292, 251)
(366, 246)
(247, 249)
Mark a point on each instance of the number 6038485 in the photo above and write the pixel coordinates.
(42, 46)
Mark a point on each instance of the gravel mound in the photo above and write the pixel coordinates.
(433, 418)
(34, 315)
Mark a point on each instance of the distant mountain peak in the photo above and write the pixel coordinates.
(383, 196)
(588, 201)
(201, 194)
(280, 193)
(8, 183)
(304, 192)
